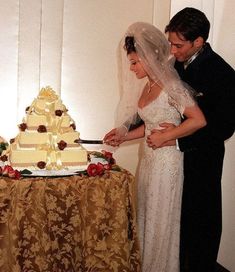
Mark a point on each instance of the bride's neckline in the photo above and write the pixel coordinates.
(155, 99)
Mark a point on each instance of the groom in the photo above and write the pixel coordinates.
(214, 80)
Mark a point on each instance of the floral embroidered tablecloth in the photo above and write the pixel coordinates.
(75, 223)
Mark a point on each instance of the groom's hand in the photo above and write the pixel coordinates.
(164, 127)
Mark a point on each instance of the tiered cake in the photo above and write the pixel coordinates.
(47, 137)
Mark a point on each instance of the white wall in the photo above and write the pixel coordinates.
(92, 31)
(224, 44)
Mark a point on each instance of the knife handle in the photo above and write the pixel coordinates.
(80, 141)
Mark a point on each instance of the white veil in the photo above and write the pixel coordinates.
(153, 51)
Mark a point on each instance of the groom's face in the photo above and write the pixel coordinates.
(181, 49)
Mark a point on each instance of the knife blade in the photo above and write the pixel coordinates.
(81, 141)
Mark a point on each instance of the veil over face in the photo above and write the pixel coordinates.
(153, 51)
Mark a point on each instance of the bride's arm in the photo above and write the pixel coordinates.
(119, 135)
(135, 133)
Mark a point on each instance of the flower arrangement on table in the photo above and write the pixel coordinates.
(7, 170)
(3, 145)
(98, 169)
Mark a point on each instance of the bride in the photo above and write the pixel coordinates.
(163, 98)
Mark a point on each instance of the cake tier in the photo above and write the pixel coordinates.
(53, 159)
(42, 106)
(22, 158)
(34, 139)
(69, 138)
(52, 123)
(73, 157)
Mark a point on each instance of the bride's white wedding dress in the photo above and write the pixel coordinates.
(160, 179)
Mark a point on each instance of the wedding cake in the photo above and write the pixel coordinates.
(47, 137)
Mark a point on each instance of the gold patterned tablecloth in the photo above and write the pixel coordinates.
(68, 224)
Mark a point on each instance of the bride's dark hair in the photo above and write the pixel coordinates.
(129, 45)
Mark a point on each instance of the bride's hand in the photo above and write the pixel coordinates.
(115, 137)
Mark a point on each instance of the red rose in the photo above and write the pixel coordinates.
(100, 168)
(41, 164)
(6, 169)
(4, 158)
(42, 129)
(17, 174)
(107, 166)
(27, 109)
(109, 157)
(92, 170)
(11, 173)
(14, 174)
(107, 154)
(23, 126)
(58, 112)
(73, 126)
(62, 145)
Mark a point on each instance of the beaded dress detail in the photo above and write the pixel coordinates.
(160, 179)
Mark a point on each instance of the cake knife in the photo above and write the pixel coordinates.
(80, 141)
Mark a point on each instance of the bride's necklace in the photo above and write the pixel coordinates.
(151, 86)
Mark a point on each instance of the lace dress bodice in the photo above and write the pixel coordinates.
(160, 110)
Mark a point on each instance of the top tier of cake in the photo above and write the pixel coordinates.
(47, 136)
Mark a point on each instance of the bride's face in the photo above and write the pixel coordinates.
(136, 66)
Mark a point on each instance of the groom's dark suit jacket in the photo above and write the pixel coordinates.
(214, 81)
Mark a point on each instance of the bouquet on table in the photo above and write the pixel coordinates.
(6, 170)
(3, 145)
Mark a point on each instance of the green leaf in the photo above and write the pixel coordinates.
(84, 172)
(25, 172)
(116, 168)
(98, 154)
(3, 146)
